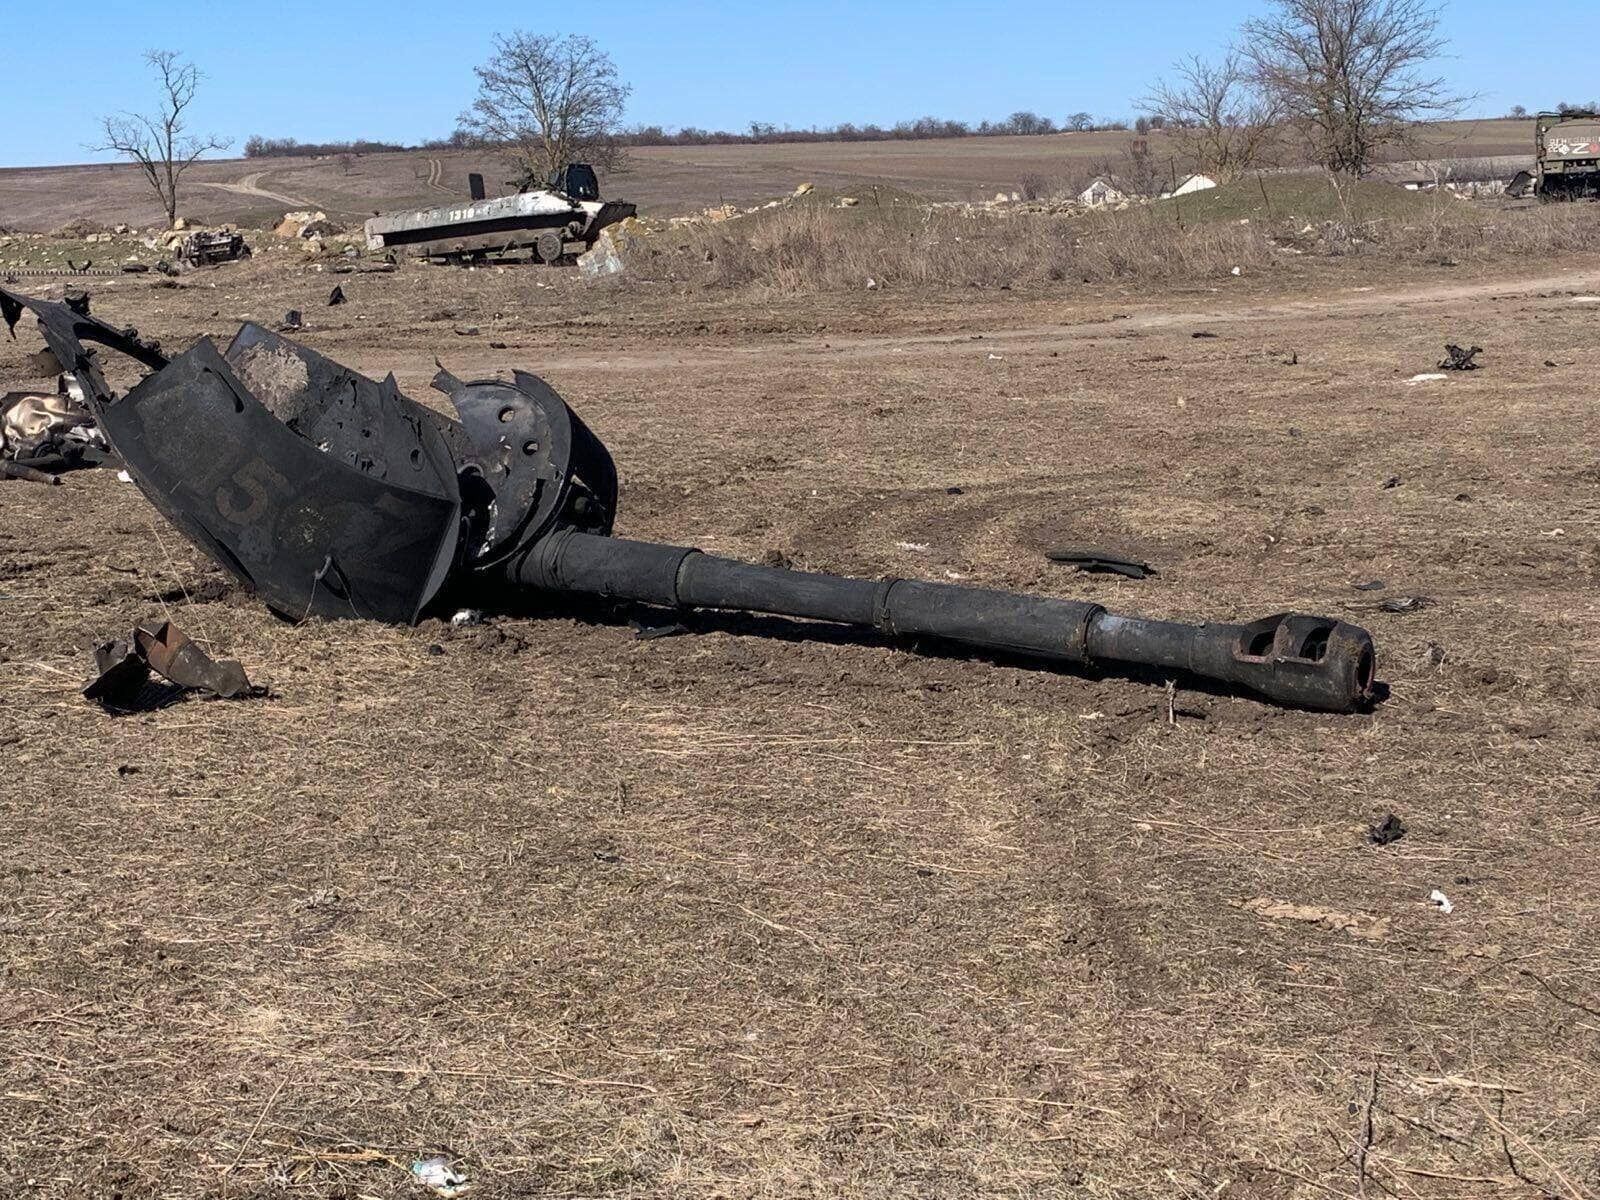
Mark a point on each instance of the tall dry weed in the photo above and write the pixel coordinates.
(808, 249)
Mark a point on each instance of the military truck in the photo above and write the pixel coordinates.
(1566, 158)
(548, 224)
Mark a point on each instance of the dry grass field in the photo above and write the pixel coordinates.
(769, 910)
(662, 180)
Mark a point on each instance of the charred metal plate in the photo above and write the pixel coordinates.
(521, 443)
(593, 476)
(538, 463)
(365, 424)
(310, 534)
(66, 329)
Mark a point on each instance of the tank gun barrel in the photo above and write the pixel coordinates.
(1308, 662)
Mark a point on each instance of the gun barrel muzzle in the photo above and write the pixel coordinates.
(1304, 661)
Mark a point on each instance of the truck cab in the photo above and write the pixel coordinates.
(1567, 149)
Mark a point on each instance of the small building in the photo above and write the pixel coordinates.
(1194, 183)
(1105, 189)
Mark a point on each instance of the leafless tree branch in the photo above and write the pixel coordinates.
(1352, 77)
(159, 142)
(550, 101)
(1222, 124)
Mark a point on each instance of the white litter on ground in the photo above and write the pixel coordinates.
(1427, 377)
(124, 477)
(1442, 901)
(914, 547)
(439, 1175)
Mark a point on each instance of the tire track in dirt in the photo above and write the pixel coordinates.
(1045, 337)
(250, 185)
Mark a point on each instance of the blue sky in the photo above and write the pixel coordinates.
(401, 71)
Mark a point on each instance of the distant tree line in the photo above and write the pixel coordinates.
(287, 147)
(1018, 124)
(1566, 108)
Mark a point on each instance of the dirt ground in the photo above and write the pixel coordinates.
(662, 180)
(773, 911)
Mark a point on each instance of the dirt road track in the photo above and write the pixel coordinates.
(249, 185)
(1349, 303)
(436, 176)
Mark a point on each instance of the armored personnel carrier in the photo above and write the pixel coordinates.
(548, 224)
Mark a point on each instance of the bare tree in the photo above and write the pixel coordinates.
(1351, 76)
(1139, 169)
(1030, 123)
(1220, 123)
(1517, 113)
(549, 101)
(159, 142)
(1080, 122)
(346, 161)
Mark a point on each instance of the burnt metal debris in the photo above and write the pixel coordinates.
(1387, 831)
(1088, 558)
(208, 248)
(1405, 604)
(124, 668)
(43, 434)
(334, 495)
(1457, 358)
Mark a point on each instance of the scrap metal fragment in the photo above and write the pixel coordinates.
(27, 473)
(171, 654)
(1457, 359)
(1406, 604)
(1087, 558)
(45, 433)
(1388, 830)
(121, 674)
(124, 667)
(205, 248)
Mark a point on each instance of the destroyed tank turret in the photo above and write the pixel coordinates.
(334, 495)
